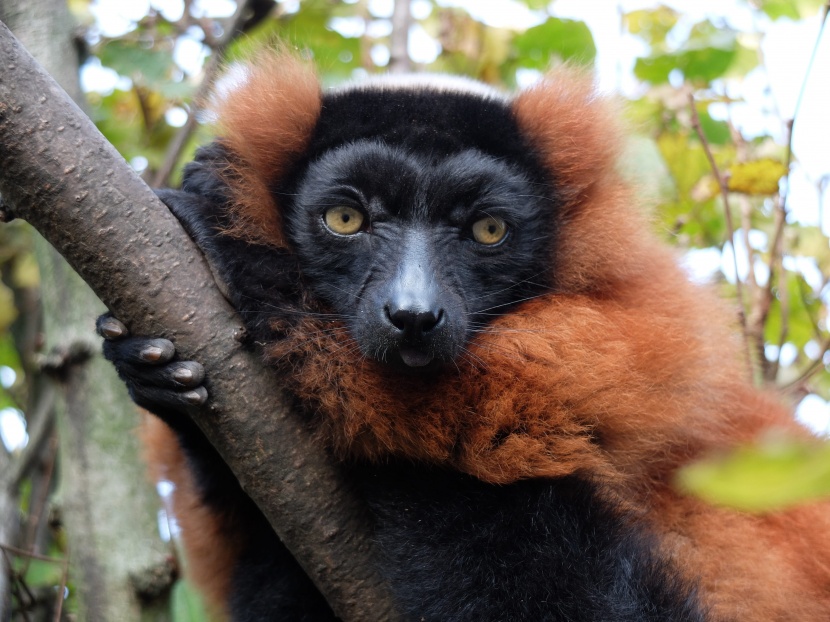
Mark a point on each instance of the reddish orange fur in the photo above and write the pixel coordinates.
(266, 122)
(208, 539)
(626, 373)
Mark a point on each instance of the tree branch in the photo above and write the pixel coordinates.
(60, 174)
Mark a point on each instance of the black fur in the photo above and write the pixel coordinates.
(547, 551)
(421, 167)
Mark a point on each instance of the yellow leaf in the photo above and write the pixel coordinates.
(756, 177)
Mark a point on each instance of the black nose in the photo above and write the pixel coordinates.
(413, 323)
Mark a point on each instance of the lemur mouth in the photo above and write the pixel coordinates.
(412, 357)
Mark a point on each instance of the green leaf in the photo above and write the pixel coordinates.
(536, 5)
(40, 572)
(716, 132)
(700, 65)
(691, 223)
(8, 353)
(186, 604)
(143, 65)
(686, 160)
(804, 308)
(779, 8)
(335, 56)
(118, 117)
(792, 9)
(768, 476)
(564, 39)
(707, 54)
(651, 24)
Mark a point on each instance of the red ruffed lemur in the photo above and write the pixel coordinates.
(463, 295)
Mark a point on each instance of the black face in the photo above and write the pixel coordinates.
(417, 253)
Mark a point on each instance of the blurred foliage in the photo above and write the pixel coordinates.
(148, 94)
(186, 604)
(766, 476)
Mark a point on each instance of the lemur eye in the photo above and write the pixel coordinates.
(489, 230)
(344, 220)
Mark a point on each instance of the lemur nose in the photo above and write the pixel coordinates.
(413, 322)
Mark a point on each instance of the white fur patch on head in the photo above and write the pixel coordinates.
(434, 82)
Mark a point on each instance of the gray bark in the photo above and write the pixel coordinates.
(57, 172)
(399, 61)
(101, 474)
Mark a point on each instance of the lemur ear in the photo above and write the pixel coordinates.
(266, 117)
(575, 131)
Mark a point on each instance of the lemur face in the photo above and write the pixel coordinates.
(414, 239)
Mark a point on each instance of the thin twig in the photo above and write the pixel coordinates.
(30, 554)
(724, 190)
(38, 506)
(40, 423)
(777, 246)
(61, 595)
(815, 366)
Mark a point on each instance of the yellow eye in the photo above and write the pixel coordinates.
(344, 220)
(489, 230)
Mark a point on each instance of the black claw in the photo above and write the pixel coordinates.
(188, 373)
(183, 375)
(157, 351)
(111, 328)
(197, 396)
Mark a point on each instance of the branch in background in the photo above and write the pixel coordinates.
(815, 366)
(399, 61)
(777, 246)
(60, 174)
(40, 424)
(724, 190)
(777, 274)
(64, 563)
(248, 14)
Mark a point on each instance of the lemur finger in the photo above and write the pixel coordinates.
(139, 351)
(177, 375)
(154, 398)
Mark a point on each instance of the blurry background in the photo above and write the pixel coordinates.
(727, 102)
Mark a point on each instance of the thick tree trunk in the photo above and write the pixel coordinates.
(108, 504)
(57, 172)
